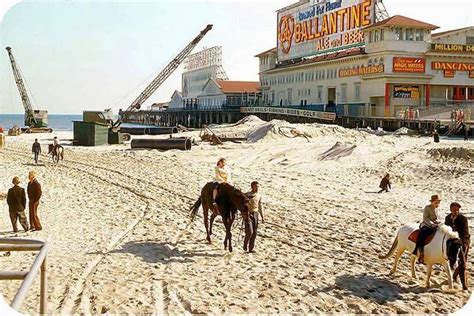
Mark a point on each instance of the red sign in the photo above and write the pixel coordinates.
(448, 73)
(408, 64)
(455, 66)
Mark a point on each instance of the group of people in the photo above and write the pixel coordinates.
(222, 174)
(16, 200)
(36, 148)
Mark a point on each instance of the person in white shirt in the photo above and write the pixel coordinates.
(255, 208)
(222, 175)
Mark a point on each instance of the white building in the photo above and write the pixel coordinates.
(399, 64)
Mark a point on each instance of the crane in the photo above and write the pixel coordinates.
(33, 118)
(162, 76)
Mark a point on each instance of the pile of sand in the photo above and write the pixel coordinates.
(337, 151)
(452, 153)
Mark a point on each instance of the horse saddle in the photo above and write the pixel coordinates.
(414, 237)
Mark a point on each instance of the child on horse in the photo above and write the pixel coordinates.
(222, 175)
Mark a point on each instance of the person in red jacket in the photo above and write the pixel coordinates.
(34, 195)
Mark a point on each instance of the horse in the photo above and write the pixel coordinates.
(229, 199)
(56, 152)
(437, 251)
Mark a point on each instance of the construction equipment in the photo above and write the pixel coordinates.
(34, 119)
(161, 77)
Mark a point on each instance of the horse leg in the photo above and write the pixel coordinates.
(213, 217)
(448, 271)
(226, 225)
(397, 258)
(412, 266)
(429, 269)
(205, 210)
(231, 220)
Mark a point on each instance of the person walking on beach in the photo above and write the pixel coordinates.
(222, 175)
(36, 149)
(459, 223)
(255, 208)
(435, 136)
(428, 226)
(16, 200)
(385, 184)
(34, 195)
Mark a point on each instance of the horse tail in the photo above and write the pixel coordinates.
(195, 208)
(392, 249)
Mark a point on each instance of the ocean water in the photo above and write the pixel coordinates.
(56, 122)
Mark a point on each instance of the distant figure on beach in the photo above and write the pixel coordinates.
(222, 175)
(16, 199)
(36, 149)
(56, 142)
(34, 195)
(428, 226)
(435, 136)
(459, 223)
(385, 184)
(255, 208)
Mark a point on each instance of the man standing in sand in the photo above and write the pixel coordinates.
(255, 207)
(459, 223)
(34, 195)
(16, 199)
(428, 226)
(36, 149)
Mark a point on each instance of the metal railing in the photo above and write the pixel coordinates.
(21, 244)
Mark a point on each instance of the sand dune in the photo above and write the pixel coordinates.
(123, 242)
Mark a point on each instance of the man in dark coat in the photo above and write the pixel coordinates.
(34, 195)
(385, 184)
(36, 149)
(459, 223)
(16, 199)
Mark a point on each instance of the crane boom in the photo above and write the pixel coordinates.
(30, 119)
(163, 75)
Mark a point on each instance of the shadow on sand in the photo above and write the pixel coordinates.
(378, 289)
(154, 252)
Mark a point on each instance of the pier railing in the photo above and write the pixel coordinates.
(19, 244)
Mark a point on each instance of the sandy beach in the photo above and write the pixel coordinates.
(123, 241)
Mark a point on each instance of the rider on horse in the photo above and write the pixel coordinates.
(222, 175)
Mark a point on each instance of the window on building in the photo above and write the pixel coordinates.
(399, 34)
(410, 34)
(343, 92)
(470, 40)
(320, 94)
(376, 35)
(381, 34)
(370, 37)
(419, 35)
(357, 91)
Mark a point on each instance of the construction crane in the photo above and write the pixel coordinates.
(33, 118)
(162, 76)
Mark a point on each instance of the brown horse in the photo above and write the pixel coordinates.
(229, 199)
(56, 152)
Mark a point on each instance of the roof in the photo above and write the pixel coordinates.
(228, 86)
(267, 52)
(451, 31)
(400, 20)
(327, 57)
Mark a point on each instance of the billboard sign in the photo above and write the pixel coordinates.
(321, 26)
(409, 64)
(360, 71)
(400, 92)
(452, 48)
(327, 116)
(205, 58)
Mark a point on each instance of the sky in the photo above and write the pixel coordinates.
(92, 55)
